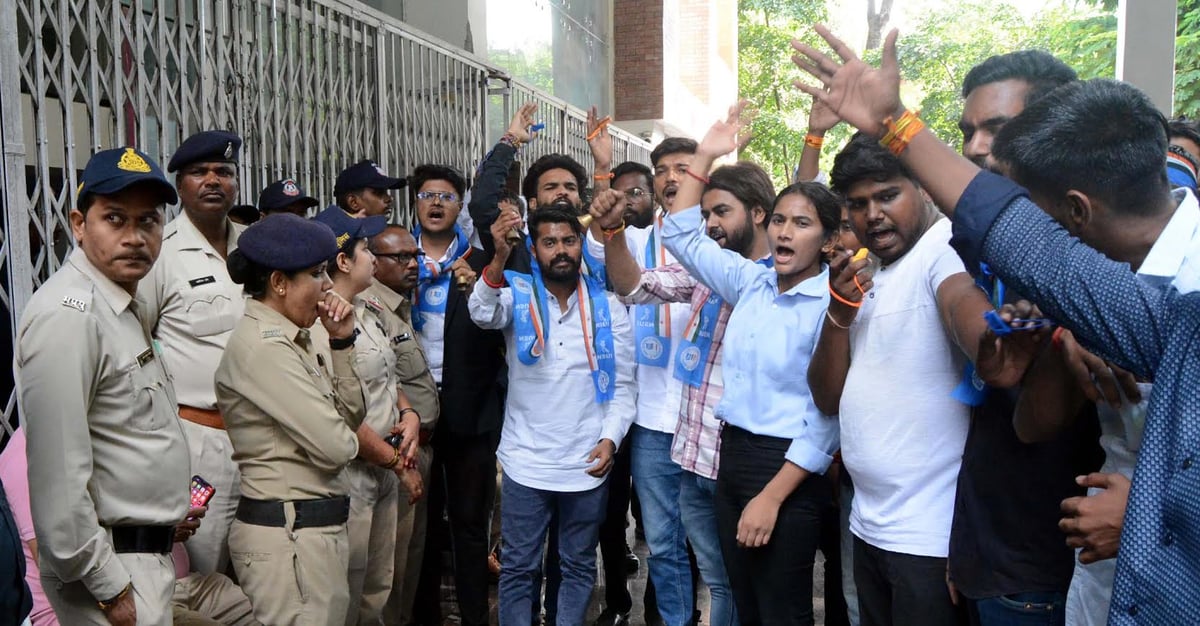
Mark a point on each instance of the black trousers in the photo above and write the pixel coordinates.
(771, 584)
(463, 485)
(897, 589)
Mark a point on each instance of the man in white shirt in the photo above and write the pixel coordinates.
(570, 401)
(890, 356)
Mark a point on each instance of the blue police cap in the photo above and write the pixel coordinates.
(347, 228)
(110, 171)
(282, 193)
(206, 146)
(365, 175)
(286, 242)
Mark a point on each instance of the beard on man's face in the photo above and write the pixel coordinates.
(562, 268)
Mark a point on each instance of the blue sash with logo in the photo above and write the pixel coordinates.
(971, 391)
(652, 322)
(433, 279)
(529, 324)
(691, 360)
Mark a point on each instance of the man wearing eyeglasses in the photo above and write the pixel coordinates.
(636, 181)
(396, 273)
(467, 364)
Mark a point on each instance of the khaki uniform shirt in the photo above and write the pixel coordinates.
(194, 305)
(412, 368)
(105, 446)
(291, 406)
(376, 364)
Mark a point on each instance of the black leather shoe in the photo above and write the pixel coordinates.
(611, 618)
(631, 562)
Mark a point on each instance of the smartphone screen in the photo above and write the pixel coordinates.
(202, 492)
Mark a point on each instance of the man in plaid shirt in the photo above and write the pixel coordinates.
(735, 205)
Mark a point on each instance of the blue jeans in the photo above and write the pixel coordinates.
(700, 521)
(1046, 608)
(524, 518)
(657, 478)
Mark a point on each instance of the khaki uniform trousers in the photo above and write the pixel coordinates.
(411, 522)
(153, 579)
(211, 600)
(292, 577)
(374, 493)
(212, 460)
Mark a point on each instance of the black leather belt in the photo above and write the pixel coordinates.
(309, 513)
(145, 539)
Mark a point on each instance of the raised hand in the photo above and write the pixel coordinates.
(599, 140)
(726, 136)
(821, 118)
(858, 93)
(522, 120)
(608, 208)
(505, 222)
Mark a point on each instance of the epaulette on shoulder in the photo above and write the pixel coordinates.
(374, 304)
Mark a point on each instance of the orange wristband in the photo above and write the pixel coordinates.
(813, 141)
(839, 298)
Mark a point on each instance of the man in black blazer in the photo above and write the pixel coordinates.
(468, 365)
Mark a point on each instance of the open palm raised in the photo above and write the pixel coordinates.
(860, 94)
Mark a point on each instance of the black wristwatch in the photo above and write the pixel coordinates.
(342, 344)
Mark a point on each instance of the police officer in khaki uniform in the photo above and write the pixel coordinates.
(292, 401)
(193, 305)
(395, 253)
(374, 486)
(108, 463)
(287, 197)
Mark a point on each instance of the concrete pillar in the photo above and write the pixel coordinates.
(1146, 48)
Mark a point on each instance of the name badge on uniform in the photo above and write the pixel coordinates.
(401, 338)
(145, 357)
(203, 280)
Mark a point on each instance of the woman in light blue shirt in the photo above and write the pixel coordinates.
(775, 444)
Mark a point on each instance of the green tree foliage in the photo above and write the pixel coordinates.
(535, 67)
(765, 75)
(934, 59)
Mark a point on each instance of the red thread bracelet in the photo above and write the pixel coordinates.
(703, 179)
(489, 283)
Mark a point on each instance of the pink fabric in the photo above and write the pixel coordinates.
(14, 473)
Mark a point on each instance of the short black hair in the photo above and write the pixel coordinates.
(553, 215)
(827, 203)
(672, 145)
(1042, 70)
(1102, 137)
(552, 162)
(1183, 127)
(747, 182)
(432, 171)
(633, 167)
(864, 158)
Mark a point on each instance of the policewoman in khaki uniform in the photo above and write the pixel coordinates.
(376, 474)
(292, 401)
(108, 464)
(192, 308)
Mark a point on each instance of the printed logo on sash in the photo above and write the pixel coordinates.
(689, 358)
(436, 295)
(651, 347)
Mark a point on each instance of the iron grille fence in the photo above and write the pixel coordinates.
(311, 86)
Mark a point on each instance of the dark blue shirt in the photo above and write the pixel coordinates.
(1153, 332)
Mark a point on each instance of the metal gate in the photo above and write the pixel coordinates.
(311, 86)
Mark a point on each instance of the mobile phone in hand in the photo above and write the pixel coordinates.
(202, 492)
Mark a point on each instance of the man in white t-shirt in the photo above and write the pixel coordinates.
(891, 354)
